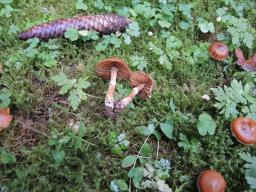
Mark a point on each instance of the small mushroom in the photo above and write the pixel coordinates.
(211, 181)
(5, 118)
(111, 69)
(247, 65)
(218, 51)
(142, 85)
(244, 130)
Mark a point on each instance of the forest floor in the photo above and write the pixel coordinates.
(43, 151)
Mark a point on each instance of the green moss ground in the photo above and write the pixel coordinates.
(38, 110)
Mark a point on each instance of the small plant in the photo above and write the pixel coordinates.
(81, 5)
(45, 54)
(240, 29)
(118, 143)
(206, 124)
(6, 11)
(5, 100)
(171, 52)
(250, 169)
(6, 157)
(74, 88)
(139, 62)
(235, 100)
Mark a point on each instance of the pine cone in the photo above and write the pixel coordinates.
(104, 24)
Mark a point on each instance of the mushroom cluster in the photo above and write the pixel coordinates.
(113, 68)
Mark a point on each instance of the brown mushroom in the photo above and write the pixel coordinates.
(218, 51)
(142, 85)
(211, 181)
(244, 130)
(111, 69)
(5, 118)
(247, 65)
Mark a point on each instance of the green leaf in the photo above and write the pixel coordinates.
(143, 130)
(6, 157)
(74, 100)
(81, 5)
(71, 34)
(146, 150)
(206, 125)
(164, 23)
(58, 156)
(128, 161)
(251, 181)
(98, 4)
(122, 185)
(82, 84)
(5, 1)
(167, 129)
(136, 174)
(4, 100)
(133, 29)
(139, 62)
(248, 39)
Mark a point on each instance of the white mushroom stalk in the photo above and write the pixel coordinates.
(109, 99)
(120, 105)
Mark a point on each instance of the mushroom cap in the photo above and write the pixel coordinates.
(103, 68)
(244, 130)
(138, 78)
(211, 181)
(5, 118)
(218, 51)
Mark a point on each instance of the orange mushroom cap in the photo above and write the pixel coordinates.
(244, 130)
(103, 68)
(211, 181)
(5, 118)
(218, 51)
(137, 78)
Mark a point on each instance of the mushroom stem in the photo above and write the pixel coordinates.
(109, 99)
(240, 56)
(120, 105)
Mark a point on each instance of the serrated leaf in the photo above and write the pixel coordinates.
(82, 84)
(167, 129)
(133, 29)
(128, 161)
(251, 181)
(74, 100)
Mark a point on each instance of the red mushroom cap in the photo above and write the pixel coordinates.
(244, 130)
(137, 78)
(218, 51)
(103, 68)
(211, 181)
